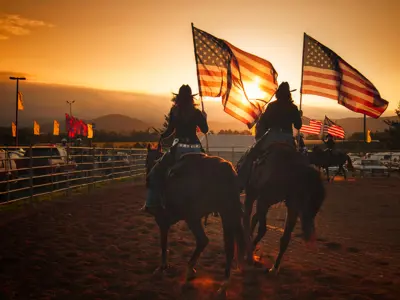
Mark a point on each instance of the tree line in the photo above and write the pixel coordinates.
(390, 137)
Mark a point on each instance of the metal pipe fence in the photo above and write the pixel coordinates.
(28, 172)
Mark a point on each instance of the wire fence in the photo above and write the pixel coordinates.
(28, 172)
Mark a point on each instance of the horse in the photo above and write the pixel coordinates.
(325, 159)
(196, 186)
(289, 179)
(153, 156)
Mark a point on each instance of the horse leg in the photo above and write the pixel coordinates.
(327, 174)
(290, 223)
(261, 214)
(254, 221)
(344, 172)
(164, 228)
(201, 243)
(248, 207)
(205, 220)
(229, 244)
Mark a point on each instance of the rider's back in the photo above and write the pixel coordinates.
(184, 122)
(280, 115)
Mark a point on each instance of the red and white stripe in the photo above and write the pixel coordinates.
(213, 83)
(334, 130)
(345, 85)
(313, 128)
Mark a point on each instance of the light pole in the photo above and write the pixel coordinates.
(16, 108)
(70, 106)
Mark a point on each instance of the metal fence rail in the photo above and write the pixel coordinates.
(27, 172)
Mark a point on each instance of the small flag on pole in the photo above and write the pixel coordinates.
(253, 130)
(238, 77)
(369, 136)
(327, 75)
(333, 129)
(13, 129)
(36, 128)
(311, 126)
(56, 128)
(20, 101)
(89, 131)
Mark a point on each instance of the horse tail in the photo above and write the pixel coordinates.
(350, 166)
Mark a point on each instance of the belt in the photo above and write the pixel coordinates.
(281, 130)
(180, 145)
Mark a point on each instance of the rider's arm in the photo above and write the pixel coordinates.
(171, 127)
(297, 122)
(262, 125)
(202, 122)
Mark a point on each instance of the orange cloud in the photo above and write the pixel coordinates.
(17, 25)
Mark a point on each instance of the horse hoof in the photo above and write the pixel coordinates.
(273, 271)
(223, 288)
(191, 274)
(162, 269)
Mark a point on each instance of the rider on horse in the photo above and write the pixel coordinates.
(330, 143)
(184, 118)
(275, 125)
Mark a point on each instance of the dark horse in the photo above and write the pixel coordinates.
(290, 179)
(198, 185)
(325, 159)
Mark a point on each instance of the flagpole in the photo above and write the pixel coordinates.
(198, 81)
(365, 128)
(16, 107)
(301, 85)
(302, 71)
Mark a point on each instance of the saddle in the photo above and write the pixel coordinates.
(183, 151)
(263, 166)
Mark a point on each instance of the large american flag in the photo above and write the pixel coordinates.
(326, 74)
(311, 126)
(333, 129)
(231, 73)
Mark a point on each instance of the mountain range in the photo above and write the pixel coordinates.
(124, 111)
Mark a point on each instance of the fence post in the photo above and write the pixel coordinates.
(30, 175)
(68, 170)
(51, 173)
(112, 162)
(92, 174)
(233, 154)
(7, 171)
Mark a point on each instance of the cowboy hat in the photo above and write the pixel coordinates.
(185, 90)
(284, 87)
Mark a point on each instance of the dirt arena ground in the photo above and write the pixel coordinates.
(98, 246)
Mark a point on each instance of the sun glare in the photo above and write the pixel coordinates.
(253, 90)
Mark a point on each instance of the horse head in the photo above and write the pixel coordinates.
(153, 154)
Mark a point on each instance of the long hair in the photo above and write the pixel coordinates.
(184, 106)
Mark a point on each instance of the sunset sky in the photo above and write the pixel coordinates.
(146, 46)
